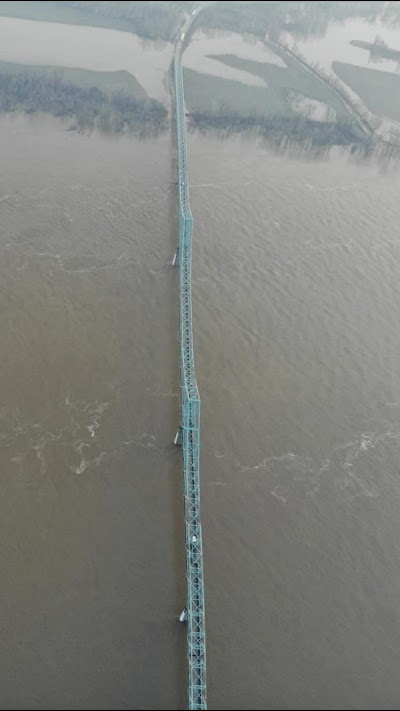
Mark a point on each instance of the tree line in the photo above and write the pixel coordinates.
(149, 19)
(277, 128)
(89, 108)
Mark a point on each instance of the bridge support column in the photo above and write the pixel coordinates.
(175, 260)
(179, 436)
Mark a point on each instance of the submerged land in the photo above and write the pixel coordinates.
(379, 48)
(294, 100)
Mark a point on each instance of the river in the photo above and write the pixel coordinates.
(296, 310)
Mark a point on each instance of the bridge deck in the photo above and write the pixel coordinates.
(190, 422)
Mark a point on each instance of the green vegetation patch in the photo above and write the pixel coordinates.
(380, 91)
(84, 78)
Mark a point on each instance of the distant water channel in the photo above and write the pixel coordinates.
(101, 50)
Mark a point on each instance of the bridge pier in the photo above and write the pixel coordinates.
(179, 436)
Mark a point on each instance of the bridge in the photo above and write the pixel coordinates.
(188, 435)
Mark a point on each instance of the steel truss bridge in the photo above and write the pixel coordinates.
(188, 434)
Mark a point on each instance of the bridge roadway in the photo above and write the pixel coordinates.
(188, 434)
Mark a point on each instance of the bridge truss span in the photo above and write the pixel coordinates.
(188, 434)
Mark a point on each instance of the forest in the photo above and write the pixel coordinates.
(88, 107)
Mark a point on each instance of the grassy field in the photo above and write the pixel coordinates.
(380, 91)
(204, 92)
(84, 78)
